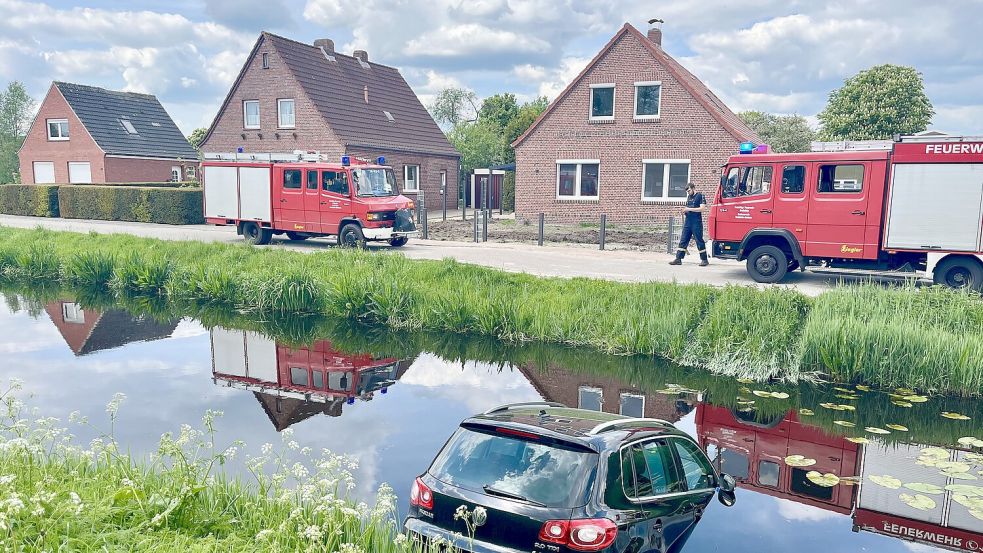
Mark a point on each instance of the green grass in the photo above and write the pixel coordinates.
(928, 339)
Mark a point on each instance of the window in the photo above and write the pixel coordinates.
(793, 179)
(577, 179)
(72, 313)
(318, 379)
(389, 116)
(768, 473)
(127, 126)
(298, 376)
(266, 60)
(285, 114)
(250, 114)
(291, 179)
(339, 381)
(44, 172)
(335, 182)
(648, 96)
(632, 405)
(411, 178)
(602, 102)
(312, 180)
(697, 472)
(176, 174)
(803, 486)
(654, 469)
(190, 172)
(79, 172)
(57, 129)
(374, 182)
(590, 398)
(748, 181)
(664, 179)
(841, 178)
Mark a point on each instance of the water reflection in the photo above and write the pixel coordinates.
(87, 330)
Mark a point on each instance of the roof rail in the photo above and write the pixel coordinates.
(852, 145)
(618, 423)
(509, 406)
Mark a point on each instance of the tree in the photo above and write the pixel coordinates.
(521, 122)
(481, 144)
(453, 106)
(876, 104)
(499, 109)
(16, 112)
(196, 137)
(784, 133)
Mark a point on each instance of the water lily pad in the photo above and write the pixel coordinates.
(745, 403)
(935, 452)
(862, 388)
(827, 480)
(965, 489)
(955, 416)
(974, 458)
(898, 427)
(838, 407)
(761, 393)
(745, 380)
(970, 441)
(886, 481)
(900, 403)
(858, 440)
(915, 399)
(977, 514)
(927, 461)
(954, 466)
(958, 475)
(922, 487)
(918, 501)
(847, 424)
(799, 461)
(844, 390)
(779, 395)
(904, 391)
(806, 412)
(848, 397)
(876, 430)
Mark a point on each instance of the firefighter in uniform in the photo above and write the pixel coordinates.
(693, 226)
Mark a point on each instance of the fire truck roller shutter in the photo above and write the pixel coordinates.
(254, 194)
(936, 206)
(221, 192)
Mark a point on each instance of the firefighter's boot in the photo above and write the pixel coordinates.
(703, 259)
(680, 254)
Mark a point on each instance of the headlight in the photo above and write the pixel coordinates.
(411, 205)
(374, 216)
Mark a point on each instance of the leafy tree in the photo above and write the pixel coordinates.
(521, 122)
(454, 106)
(499, 109)
(876, 104)
(196, 137)
(784, 133)
(481, 144)
(16, 112)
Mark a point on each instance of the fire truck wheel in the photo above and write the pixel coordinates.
(959, 272)
(255, 234)
(296, 236)
(767, 264)
(398, 242)
(351, 237)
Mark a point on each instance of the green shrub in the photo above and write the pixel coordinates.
(35, 200)
(175, 206)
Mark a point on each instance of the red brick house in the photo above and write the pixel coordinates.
(624, 138)
(86, 134)
(293, 96)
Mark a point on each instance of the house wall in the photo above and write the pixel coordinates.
(685, 130)
(119, 169)
(430, 169)
(79, 147)
(268, 85)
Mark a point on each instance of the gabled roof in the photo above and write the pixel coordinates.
(697, 89)
(101, 112)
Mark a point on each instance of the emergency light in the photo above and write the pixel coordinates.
(346, 161)
(747, 147)
(381, 160)
(351, 401)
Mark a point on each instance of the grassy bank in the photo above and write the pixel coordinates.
(928, 339)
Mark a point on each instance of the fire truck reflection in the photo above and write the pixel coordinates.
(753, 451)
(294, 384)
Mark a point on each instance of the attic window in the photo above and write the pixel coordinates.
(128, 126)
(155, 124)
(266, 60)
(363, 63)
(327, 56)
(389, 116)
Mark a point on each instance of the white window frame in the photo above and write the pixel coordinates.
(72, 313)
(266, 60)
(416, 181)
(279, 113)
(190, 173)
(176, 169)
(127, 126)
(623, 395)
(614, 102)
(245, 114)
(665, 198)
(635, 105)
(579, 163)
(59, 138)
(593, 390)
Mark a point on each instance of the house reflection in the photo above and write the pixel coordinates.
(90, 330)
(754, 452)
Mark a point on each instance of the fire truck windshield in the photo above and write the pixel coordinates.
(374, 182)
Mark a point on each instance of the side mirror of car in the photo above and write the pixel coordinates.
(726, 494)
(726, 498)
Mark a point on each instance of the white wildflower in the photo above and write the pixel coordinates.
(313, 533)
(267, 448)
(113, 406)
(263, 535)
(349, 548)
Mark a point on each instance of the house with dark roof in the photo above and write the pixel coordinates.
(90, 330)
(290, 96)
(86, 134)
(624, 138)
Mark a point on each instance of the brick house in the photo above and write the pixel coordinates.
(86, 134)
(624, 138)
(293, 96)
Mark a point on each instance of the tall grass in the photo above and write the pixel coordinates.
(928, 339)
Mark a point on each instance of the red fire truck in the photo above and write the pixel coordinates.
(914, 204)
(304, 196)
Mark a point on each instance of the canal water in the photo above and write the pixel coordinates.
(391, 400)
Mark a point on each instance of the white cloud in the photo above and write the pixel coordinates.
(790, 510)
(471, 38)
(559, 78)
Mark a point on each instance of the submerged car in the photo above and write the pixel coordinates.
(544, 477)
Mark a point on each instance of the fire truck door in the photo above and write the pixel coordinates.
(791, 204)
(336, 202)
(745, 202)
(289, 207)
(838, 211)
(312, 211)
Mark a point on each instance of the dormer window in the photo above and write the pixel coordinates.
(57, 129)
(128, 126)
(602, 102)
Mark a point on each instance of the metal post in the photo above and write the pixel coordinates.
(604, 225)
(484, 225)
(542, 221)
(443, 196)
(475, 226)
(672, 233)
(426, 230)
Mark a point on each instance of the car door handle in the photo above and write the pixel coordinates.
(722, 209)
(857, 212)
(765, 211)
(283, 200)
(324, 203)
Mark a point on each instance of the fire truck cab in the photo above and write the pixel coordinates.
(915, 204)
(304, 196)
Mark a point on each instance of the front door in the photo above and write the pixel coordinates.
(290, 205)
(336, 200)
(745, 202)
(312, 209)
(837, 221)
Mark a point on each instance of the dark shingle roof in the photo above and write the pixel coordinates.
(100, 111)
(337, 88)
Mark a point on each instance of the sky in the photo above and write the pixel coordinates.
(781, 56)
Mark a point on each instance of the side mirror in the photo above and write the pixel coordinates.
(726, 494)
(728, 499)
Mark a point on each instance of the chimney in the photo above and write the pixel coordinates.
(361, 55)
(655, 31)
(365, 93)
(325, 43)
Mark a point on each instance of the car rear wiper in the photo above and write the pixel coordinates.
(494, 491)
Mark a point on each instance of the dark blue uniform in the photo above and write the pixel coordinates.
(693, 227)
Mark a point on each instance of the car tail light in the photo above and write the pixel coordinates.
(580, 535)
(421, 495)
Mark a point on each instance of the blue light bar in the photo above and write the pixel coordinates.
(747, 147)
(381, 160)
(346, 160)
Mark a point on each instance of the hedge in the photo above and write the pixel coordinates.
(169, 184)
(175, 206)
(35, 200)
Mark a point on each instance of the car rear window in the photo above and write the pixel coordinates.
(541, 472)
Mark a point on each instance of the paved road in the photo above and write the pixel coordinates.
(565, 261)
